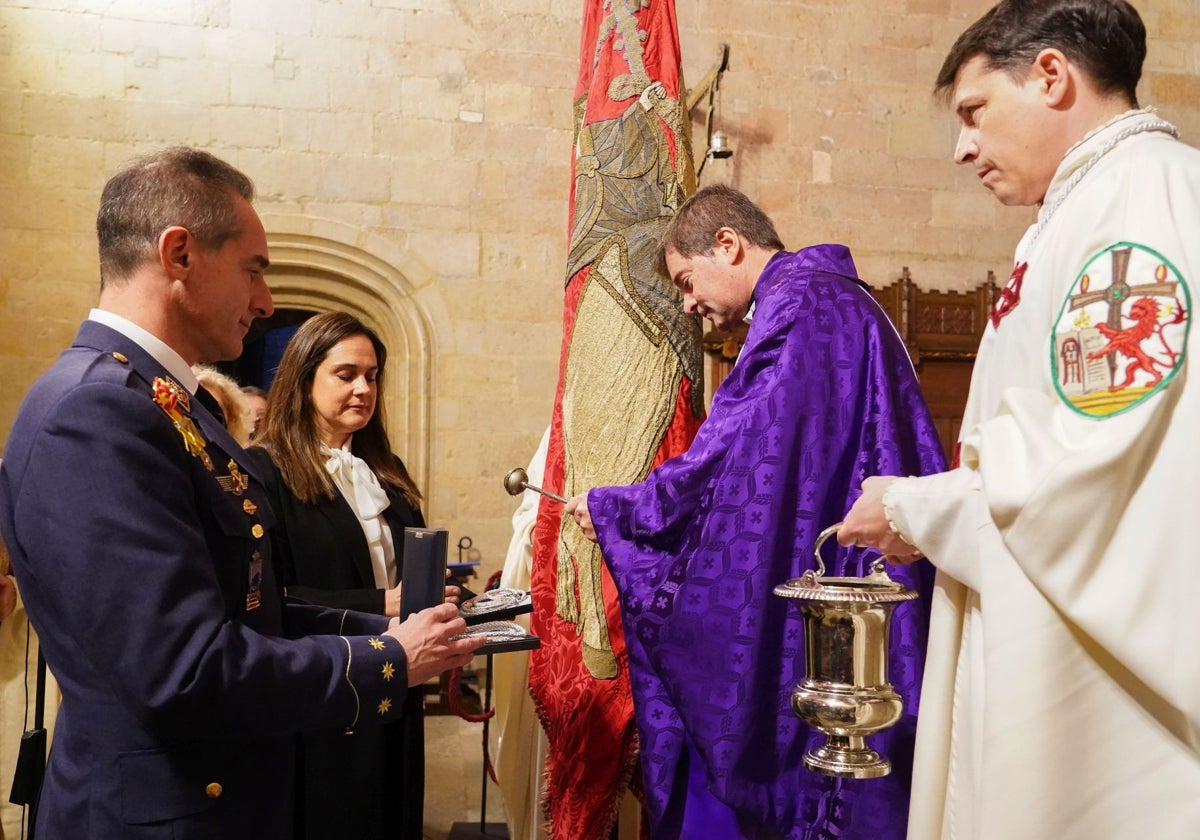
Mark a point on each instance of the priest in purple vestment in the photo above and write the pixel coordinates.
(822, 395)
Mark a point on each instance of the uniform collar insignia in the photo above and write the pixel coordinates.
(1010, 295)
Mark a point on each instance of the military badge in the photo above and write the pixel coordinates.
(1121, 334)
(254, 587)
(175, 403)
(236, 482)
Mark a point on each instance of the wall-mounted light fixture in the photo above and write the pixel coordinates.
(716, 141)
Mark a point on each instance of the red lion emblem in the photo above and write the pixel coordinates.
(1128, 342)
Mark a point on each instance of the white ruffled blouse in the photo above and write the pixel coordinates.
(362, 491)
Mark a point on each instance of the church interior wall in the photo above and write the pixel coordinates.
(434, 136)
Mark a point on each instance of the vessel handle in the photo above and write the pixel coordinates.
(877, 566)
(824, 535)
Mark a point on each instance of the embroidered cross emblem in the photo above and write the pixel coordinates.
(1010, 295)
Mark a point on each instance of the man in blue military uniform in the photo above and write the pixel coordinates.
(137, 529)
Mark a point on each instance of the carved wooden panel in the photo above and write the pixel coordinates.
(942, 331)
(722, 348)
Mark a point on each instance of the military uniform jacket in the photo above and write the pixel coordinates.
(137, 529)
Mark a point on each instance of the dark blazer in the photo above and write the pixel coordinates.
(369, 784)
(145, 570)
(323, 555)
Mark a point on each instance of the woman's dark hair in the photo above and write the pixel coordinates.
(289, 426)
(1105, 37)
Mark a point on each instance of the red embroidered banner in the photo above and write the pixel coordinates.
(629, 394)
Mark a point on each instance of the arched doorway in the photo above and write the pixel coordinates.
(320, 266)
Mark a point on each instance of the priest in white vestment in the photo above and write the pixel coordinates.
(1062, 684)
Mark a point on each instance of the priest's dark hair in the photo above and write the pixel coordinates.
(693, 229)
(290, 432)
(1106, 38)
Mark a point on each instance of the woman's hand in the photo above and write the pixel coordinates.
(391, 601)
(391, 597)
(453, 592)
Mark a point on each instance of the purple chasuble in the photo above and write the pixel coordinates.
(822, 396)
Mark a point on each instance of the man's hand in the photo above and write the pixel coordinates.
(866, 524)
(578, 509)
(426, 638)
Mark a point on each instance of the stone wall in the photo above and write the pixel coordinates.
(427, 142)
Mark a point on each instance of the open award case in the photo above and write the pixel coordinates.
(496, 605)
(488, 615)
(491, 614)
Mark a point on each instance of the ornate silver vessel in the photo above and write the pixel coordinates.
(845, 692)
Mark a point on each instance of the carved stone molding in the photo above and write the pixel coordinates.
(321, 265)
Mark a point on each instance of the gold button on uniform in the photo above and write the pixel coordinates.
(213, 789)
(257, 531)
(249, 506)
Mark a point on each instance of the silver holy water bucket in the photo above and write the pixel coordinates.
(845, 693)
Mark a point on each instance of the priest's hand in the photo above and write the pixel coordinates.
(429, 644)
(867, 525)
(578, 509)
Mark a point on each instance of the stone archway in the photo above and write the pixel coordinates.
(323, 265)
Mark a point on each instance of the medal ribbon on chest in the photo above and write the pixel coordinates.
(175, 403)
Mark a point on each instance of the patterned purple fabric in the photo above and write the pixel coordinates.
(822, 396)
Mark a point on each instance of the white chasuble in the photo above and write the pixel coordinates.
(1062, 685)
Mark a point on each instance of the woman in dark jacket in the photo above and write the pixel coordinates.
(342, 500)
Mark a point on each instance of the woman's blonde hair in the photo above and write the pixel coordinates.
(230, 398)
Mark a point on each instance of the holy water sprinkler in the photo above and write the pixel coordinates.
(517, 481)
